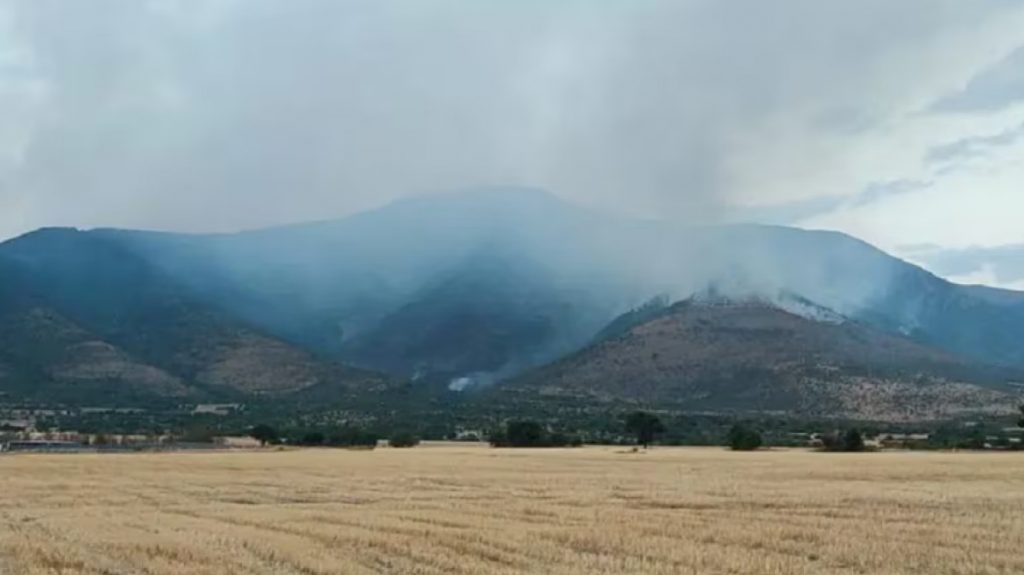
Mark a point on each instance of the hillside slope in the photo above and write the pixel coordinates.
(57, 360)
(753, 356)
(81, 319)
(489, 317)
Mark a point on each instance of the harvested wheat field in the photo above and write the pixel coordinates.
(469, 509)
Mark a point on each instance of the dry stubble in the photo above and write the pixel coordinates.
(475, 510)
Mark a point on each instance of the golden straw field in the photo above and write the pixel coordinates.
(470, 509)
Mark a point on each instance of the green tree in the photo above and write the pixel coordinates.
(524, 434)
(851, 441)
(496, 437)
(403, 439)
(645, 426)
(313, 438)
(743, 438)
(348, 436)
(974, 440)
(264, 434)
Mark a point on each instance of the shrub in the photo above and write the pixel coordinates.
(352, 437)
(312, 438)
(198, 433)
(530, 434)
(525, 434)
(557, 438)
(497, 438)
(264, 434)
(975, 440)
(850, 441)
(742, 438)
(403, 439)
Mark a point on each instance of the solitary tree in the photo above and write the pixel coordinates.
(264, 434)
(645, 426)
(853, 441)
(742, 438)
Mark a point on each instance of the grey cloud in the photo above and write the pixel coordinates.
(228, 114)
(992, 89)
(878, 191)
(789, 213)
(967, 148)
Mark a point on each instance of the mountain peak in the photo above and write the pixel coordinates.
(49, 232)
(498, 198)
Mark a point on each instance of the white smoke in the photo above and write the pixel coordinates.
(478, 379)
(460, 383)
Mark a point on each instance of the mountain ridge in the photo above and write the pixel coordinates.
(462, 287)
(750, 355)
(66, 282)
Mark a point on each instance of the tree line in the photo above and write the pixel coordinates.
(643, 427)
(347, 436)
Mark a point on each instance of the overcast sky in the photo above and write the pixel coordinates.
(899, 122)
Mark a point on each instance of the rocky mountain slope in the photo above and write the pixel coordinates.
(753, 355)
(82, 319)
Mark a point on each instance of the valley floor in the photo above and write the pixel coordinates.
(475, 510)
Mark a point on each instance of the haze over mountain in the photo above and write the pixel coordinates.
(721, 355)
(464, 288)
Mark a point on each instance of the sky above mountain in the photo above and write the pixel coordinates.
(899, 122)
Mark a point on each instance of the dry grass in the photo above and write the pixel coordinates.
(449, 509)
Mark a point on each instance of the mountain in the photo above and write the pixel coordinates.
(83, 319)
(480, 284)
(975, 321)
(491, 315)
(453, 289)
(48, 357)
(342, 287)
(716, 354)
